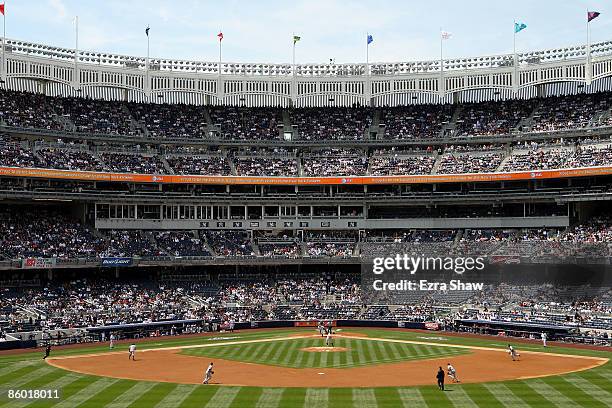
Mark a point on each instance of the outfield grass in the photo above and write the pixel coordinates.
(288, 353)
(592, 388)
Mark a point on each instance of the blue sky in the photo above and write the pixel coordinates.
(261, 30)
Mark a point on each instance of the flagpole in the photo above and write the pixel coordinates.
(76, 52)
(515, 82)
(220, 41)
(588, 51)
(148, 85)
(367, 50)
(4, 43)
(442, 84)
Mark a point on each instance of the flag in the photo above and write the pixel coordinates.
(220, 35)
(296, 38)
(591, 15)
(370, 39)
(446, 35)
(2, 10)
(147, 30)
(519, 27)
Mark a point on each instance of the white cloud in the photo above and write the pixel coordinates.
(58, 7)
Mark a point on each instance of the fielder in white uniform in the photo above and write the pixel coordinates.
(452, 373)
(132, 352)
(112, 341)
(329, 340)
(208, 374)
(543, 337)
(513, 353)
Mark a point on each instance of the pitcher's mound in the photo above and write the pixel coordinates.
(324, 349)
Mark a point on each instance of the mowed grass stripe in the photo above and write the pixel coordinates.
(572, 392)
(9, 368)
(435, 398)
(521, 390)
(460, 398)
(106, 395)
(280, 353)
(299, 356)
(387, 397)
(505, 395)
(45, 373)
(125, 400)
(293, 398)
(411, 398)
(591, 389)
(199, 396)
(246, 397)
(550, 393)
(86, 392)
(316, 397)
(68, 391)
(364, 397)
(270, 398)
(481, 396)
(176, 397)
(23, 371)
(341, 397)
(152, 396)
(223, 397)
(59, 383)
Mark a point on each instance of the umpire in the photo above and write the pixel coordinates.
(440, 378)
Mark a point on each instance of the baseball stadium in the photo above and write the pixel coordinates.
(180, 227)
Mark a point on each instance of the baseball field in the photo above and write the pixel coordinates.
(295, 368)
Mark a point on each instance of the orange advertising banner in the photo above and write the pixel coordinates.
(357, 180)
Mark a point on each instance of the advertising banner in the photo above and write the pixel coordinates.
(38, 263)
(114, 262)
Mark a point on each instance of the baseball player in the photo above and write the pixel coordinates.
(513, 353)
(132, 352)
(452, 373)
(321, 328)
(47, 351)
(543, 337)
(112, 341)
(208, 374)
(329, 340)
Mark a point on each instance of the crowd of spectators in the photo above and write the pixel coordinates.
(180, 243)
(569, 112)
(401, 165)
(489, 119)
(415, 121)
(469, 163)
(96, 116)
(45, 233)
(266, 166)
(172, 121)
(331, 123)
(240, 123)
(542, 159)
(27, 110)
(202, 165)
(230, 243)
(335, 162)
(133, 163)
(281, 295)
